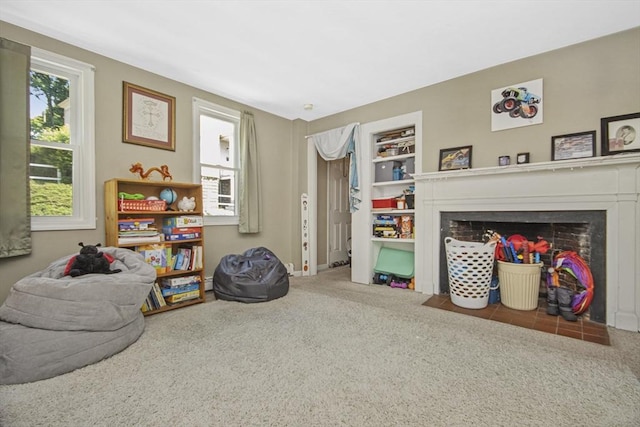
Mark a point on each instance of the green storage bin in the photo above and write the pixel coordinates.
(395, 261)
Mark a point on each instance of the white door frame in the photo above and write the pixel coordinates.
(312, 192)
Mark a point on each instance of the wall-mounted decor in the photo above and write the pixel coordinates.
(455, 158)
(620, 134)
(504, 160)
(573, 145)
(516, 105)
(522, 158)
(149, 117)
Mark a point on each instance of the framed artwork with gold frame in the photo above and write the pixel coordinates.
(149, 117)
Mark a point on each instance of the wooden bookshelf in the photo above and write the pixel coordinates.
(114, 213)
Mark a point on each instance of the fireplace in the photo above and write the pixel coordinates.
(579, 231)
(597, 199)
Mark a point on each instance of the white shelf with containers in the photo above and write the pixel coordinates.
(393, 186)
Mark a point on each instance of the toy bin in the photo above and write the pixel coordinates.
(470, 268)
(519, 285)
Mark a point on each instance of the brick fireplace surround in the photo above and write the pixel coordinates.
(608, 184)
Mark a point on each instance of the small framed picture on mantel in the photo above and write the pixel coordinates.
(573, 146)
(620, 134)
(455, 158)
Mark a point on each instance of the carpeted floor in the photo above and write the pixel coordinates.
(336, 353)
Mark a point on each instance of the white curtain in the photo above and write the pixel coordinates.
(337, 144)
(250, 199)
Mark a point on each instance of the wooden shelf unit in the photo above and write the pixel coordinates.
(153, 188)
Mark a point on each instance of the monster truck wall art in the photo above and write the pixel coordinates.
(517, 105)
(517, 102)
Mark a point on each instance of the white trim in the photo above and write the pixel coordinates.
(312, 192)
(82, 129)
(223, 113)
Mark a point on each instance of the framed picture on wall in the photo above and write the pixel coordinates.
(455, 158)
(620, 134)
(573, 145)
(149, 117)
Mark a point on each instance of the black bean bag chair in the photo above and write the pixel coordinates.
(255, 276)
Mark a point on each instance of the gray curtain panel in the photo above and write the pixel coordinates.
(250, 199)
(15, 215)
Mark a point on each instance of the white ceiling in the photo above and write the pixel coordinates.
(279, 55)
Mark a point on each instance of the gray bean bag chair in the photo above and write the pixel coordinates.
(255, 276)
(51, 324)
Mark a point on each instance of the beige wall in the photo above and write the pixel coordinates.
(113, 159)
(582, 84)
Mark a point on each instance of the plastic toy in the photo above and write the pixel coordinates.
(163, 170)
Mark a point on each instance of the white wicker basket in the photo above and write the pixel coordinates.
(470, 268)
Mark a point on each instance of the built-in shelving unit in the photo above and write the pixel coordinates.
(388, 144)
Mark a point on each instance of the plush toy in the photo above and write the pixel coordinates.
(187, 204)
(89, 260)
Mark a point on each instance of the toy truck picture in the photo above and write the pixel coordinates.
(517, 102)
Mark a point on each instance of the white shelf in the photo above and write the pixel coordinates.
(390, 240)
(396, 141)
(388, 183)
(392, 211)
(392, 158)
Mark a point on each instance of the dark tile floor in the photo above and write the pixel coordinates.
(538, 319)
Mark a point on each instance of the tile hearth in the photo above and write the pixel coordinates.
(538, 319)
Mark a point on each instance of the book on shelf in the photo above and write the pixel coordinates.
(157, 293)
(183, 221)
(138, 233)
(132, 224)
(181, 230)
(184, 296)
(180, 289)
(182, 236)
(132, 240)
(174, 282)
(198, 263)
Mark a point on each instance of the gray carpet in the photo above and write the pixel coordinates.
(335, 353)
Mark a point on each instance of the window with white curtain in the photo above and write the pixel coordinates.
(217, 166)
(62, 162)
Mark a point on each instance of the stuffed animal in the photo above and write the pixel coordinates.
(187, 204)
(89, 260)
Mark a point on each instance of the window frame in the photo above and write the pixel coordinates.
(203, 107)
(81, 143)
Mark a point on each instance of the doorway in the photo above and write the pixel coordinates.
(338, 214)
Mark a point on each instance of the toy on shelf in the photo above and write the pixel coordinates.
(170, 196)
(163, 170)
(187, 204)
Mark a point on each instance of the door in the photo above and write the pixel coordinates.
(339, 217)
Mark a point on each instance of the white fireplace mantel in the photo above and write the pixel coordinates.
(610, 184)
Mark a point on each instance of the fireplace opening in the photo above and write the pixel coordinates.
(580, 231)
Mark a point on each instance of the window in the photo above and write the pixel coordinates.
(216, 133)
(62, 163)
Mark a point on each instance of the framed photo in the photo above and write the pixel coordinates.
(455, 158)
(573, 145)
(149, 117)
(504, 160)
(620, 134)
(522, 158)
